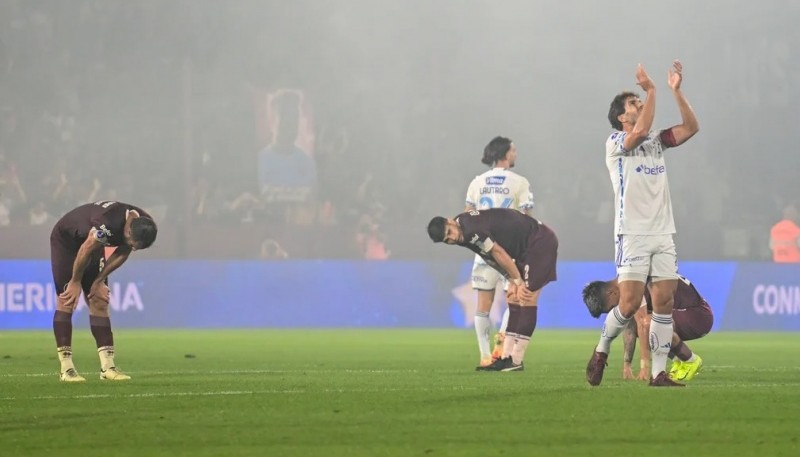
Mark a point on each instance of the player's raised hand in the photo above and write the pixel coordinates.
(643, 79)
(674, 75)
(70, 295)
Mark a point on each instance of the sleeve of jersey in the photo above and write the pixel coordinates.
(472, 197)
(487, 244)
(667, 138)
(615, 144)
(99, 232)
(525, 197)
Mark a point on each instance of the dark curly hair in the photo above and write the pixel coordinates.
(594, 297)
(143, 231)
(496, 150)
(436, 229)
(618, 107)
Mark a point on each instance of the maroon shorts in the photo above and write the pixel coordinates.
(693, 323)
(62, 259)
(538, 266)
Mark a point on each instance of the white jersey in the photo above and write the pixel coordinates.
(499, 188)
(641, 191)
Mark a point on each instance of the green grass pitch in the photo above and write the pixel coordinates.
(389, 393)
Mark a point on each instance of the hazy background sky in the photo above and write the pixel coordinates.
(161, 98)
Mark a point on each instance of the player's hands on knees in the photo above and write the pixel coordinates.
(99, 291)
(70, 295)
(525, 295)
(512, 295)
(627, 371)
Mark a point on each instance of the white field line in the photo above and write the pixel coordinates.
(317, 371)
(238, 392)
(218, 372)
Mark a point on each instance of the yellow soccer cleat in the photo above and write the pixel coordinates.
(112, 374)
(677, 366)
(497, 353)
(690, 369)
(70, 375)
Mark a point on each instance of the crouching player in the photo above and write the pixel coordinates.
(691, 314)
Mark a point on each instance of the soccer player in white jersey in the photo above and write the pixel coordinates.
(497, 188)
(643, 224)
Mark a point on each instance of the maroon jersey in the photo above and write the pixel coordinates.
(106, 217)
(509, 228)
(686, 296)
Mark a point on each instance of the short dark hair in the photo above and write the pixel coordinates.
(143, 232)
(594, 297)
(618, 107)
(436, 229)
(496, 150)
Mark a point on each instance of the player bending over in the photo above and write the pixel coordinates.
(78, 260)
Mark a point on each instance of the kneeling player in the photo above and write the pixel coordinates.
(691, 314)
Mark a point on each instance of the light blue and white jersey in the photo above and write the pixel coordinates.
(642, 202)
(499, 188)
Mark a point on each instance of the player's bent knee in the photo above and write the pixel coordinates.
(61, 305)
(98, 307)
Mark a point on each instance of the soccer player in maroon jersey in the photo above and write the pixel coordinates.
(691, 315)
(77, 254)
(523, 250)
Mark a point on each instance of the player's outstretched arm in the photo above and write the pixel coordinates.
(689, 125)
(645, 121)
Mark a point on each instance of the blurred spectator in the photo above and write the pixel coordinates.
(272, 250)
(286, 171)
(785, 237)
(39, 215)
(370, 240)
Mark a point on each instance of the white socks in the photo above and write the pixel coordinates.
(65, 357)
(505, 321)
(483, 326)
(612, 327)
(660, 341)
(518, 353)
(106, 354)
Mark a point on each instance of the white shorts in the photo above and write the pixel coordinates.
(641, 256)
(485, 277)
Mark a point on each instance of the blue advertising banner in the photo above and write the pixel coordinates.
(240, 294)
(764, 296)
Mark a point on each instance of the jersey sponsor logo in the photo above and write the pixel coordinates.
(654, 171)
(31, 297)
(771, 299)
(474, 239)
(105, 203)
(102, 234)
(495, 180)
(495, 190)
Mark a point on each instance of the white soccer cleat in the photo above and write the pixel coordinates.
(112, 374)
(70, 375)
